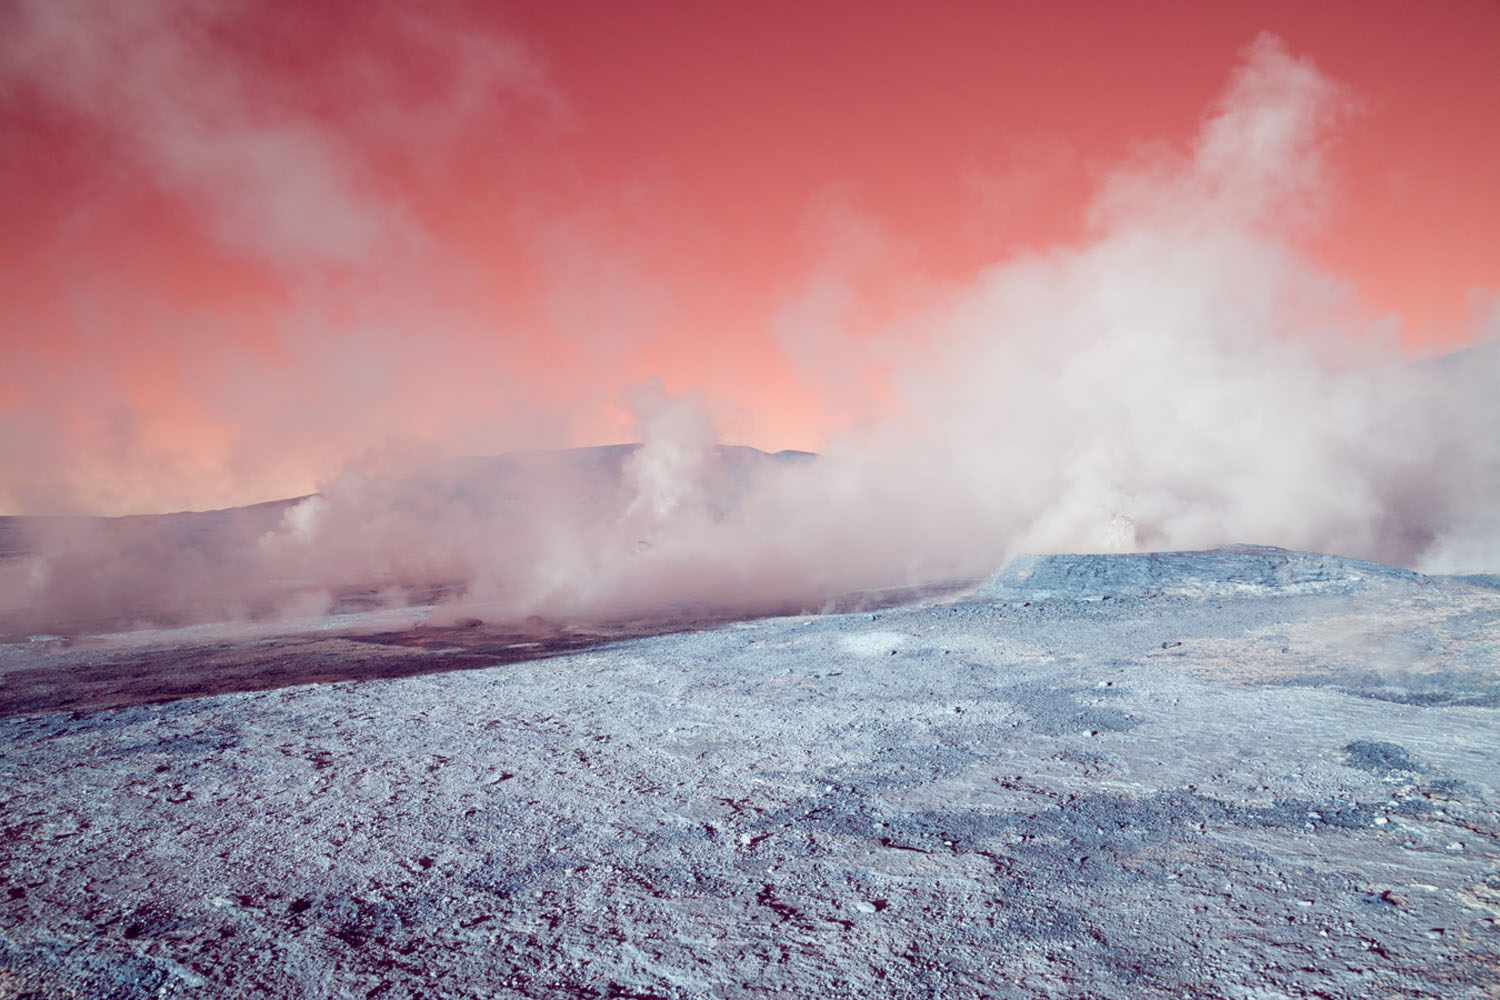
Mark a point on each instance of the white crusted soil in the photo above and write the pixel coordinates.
(1282, 795)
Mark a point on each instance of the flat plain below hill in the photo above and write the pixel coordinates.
(1234, 774)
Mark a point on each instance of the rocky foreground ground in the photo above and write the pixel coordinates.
(1085, 779)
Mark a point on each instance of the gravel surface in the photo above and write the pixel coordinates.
(1220, 778)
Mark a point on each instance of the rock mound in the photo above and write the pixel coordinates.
(1230, 571)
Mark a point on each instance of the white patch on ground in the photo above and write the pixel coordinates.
(872, 643)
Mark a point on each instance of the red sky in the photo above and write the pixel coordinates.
(241, 250)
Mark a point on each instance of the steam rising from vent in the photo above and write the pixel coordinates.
(674, 468)
(1186, 378)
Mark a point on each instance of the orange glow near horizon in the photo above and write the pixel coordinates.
(270, 242)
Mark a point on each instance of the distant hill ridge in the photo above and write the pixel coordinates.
(479, 478)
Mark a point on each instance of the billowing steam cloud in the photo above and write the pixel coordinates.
(237, 284)
(1183, 379)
